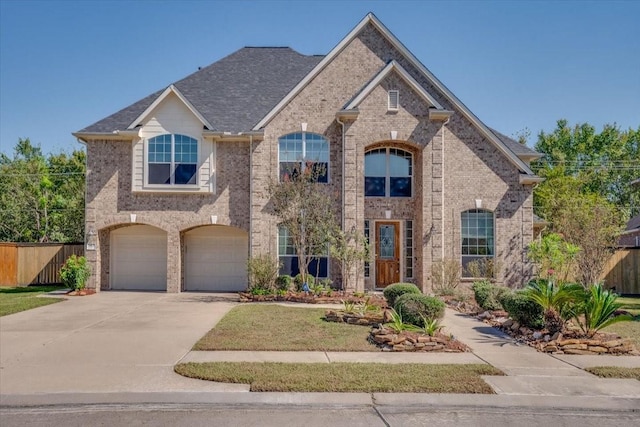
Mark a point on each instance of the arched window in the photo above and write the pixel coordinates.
(172, 159)
(304, 152)
(388, 173)
(477, 237)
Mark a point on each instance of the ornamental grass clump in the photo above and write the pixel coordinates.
(394, 291)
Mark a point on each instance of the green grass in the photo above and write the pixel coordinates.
(615, 372)
(277, 328)
(345, 377)
(628, 329)
(15, 300)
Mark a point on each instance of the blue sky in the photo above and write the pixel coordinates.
(516, 65)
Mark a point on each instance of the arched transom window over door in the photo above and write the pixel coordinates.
(388, 172)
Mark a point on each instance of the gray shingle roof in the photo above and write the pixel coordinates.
(517, 148)
(634, 223)
(234, 93)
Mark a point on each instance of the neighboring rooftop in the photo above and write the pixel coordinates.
(234, 93)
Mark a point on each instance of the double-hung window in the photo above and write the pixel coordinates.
(304, 152)
(387, 173)
(477, 237)
(172, 159)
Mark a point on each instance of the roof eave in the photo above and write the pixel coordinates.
(158, 101)
(116, 135)
(530, 179)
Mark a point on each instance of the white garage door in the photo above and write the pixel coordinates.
(138, 258)
(216, 259)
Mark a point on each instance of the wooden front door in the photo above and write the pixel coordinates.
(387, 253)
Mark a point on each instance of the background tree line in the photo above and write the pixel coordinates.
(587, 195)
(41, 196)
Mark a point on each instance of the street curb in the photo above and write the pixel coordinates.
(397, 400)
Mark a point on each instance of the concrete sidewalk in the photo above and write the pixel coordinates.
(529, 372)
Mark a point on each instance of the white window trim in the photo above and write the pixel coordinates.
(387, 178)
(145, 171)
(304, 154)
(493, 256)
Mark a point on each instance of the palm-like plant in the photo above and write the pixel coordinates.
(397, 324)
(557, 301)
(597, 309)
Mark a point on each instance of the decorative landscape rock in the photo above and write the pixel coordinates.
(367, 318)
(408, 341)
(568, 343)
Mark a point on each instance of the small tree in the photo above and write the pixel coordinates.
(304, 209)
(351, 249)
(554, 256)
(593, 224)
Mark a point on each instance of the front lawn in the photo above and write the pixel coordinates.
(615, 372)
(15, 300)
(276, 328)
(628, 329)
(346, 377)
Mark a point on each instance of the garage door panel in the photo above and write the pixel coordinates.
(216, 259)
(138, 258)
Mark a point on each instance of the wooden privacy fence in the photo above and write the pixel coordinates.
(622, 271)
(23, 264)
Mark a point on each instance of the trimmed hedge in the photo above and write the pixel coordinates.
(394, 291)
(311, 281)
(523, 310)
(412, 307)
(488, 295)
(284, 282)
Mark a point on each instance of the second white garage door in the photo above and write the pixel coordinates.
(138, 258)
(216, 259)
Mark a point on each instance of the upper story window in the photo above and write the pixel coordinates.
(172, 160)
(477, 237)
(304, 152)
(388, 173)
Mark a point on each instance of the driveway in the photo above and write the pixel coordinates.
(108, 342)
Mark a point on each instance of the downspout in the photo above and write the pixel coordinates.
(442, 192)
(250, 194)
(343, 189)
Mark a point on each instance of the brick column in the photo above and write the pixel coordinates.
(174, 262)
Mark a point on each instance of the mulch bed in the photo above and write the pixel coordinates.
(336, 297)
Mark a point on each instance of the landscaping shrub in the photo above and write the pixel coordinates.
(392, 292)
(416, 308)
(488, 295)
(597, 310)
(522, 309)
(263, 271)
(311, 281)
(75, 272)
(283, 283)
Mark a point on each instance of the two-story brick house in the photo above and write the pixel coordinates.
(177, 183)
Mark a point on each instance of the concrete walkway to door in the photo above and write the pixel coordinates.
(108, 342)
